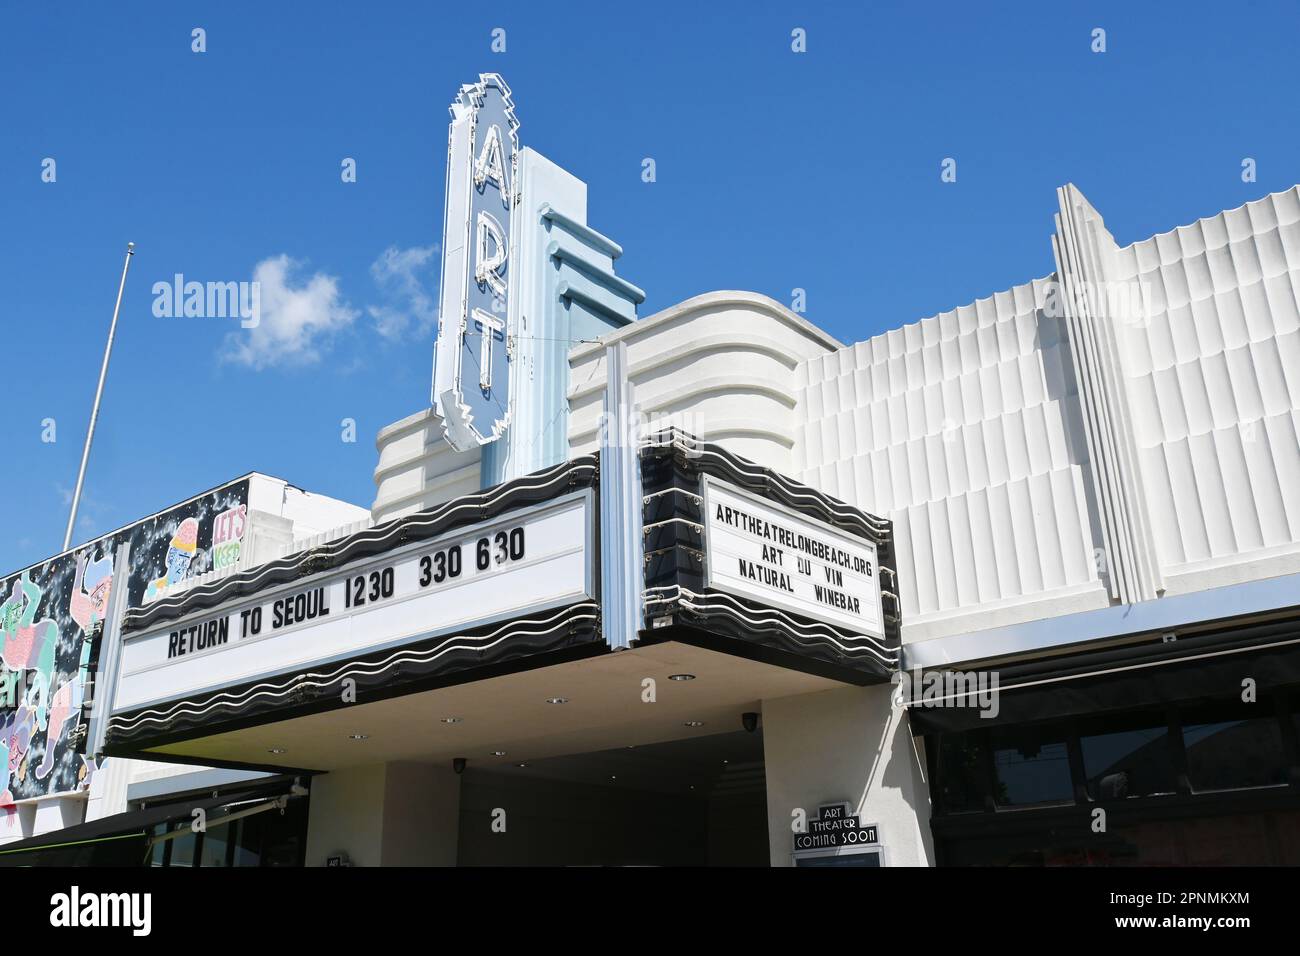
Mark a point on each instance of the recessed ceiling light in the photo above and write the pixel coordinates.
(358, 736)
(694, 723)
(521, 765)
(681, 677)
(452, 720)
(276, 750)
(557, 700)
(498, 753)
(612, 777)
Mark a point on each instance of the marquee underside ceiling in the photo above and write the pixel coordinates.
(511, 713)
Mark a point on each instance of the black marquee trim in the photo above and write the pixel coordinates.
(797, 631)
(672, 463)
(725, 623)
(717, 636)
(471, 655)
(467, 509)
(707, 458)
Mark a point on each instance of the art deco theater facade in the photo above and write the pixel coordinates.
(1014, 584)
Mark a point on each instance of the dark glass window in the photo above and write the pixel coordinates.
(183, 846)
(962, 773)
(1294, 716)
(248, 842)
(212, 851)
(158, 851)
(285, 836)
(1032, 765)
(1127, 756)
(1233, 746)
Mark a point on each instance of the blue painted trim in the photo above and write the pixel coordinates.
(589, 294)
(621, 541)
(574, 259)
(584, 232)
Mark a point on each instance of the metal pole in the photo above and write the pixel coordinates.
(99, 392)
(279, 803)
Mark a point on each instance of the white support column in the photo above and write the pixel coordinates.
(393, 814)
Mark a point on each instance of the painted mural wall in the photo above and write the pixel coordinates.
(51, 618)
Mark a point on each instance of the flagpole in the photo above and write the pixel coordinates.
(99, 393)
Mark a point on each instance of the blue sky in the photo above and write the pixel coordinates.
(775, 170)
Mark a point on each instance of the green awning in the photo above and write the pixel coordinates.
(123, 839)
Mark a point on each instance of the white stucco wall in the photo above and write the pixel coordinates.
(393, 814)
(346, 816)
(846, 745)
(722, 366)
(1211, 366)
(1141, 440)
(418, 469)
(963, 430)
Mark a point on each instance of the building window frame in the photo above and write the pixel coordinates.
(1281, 704)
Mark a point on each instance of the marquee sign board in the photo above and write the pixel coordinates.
(524, 561)
(838, 838)
(472, 364)
(835, 827)
(766, 552)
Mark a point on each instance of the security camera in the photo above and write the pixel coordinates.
(459, 764)
(750, 721)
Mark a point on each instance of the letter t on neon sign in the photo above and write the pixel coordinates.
(488, 326)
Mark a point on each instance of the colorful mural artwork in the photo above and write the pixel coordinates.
(89, 766)
(228, 536)
(180, 554)
(51, 621)
(16, 729)
(91, 589)
(29, 645)
(10, 825)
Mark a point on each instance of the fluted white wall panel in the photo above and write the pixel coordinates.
(962, 428)
(1212, 369)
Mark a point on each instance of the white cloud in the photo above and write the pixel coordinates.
(400, 275)
(298, 319)
(90, 510)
